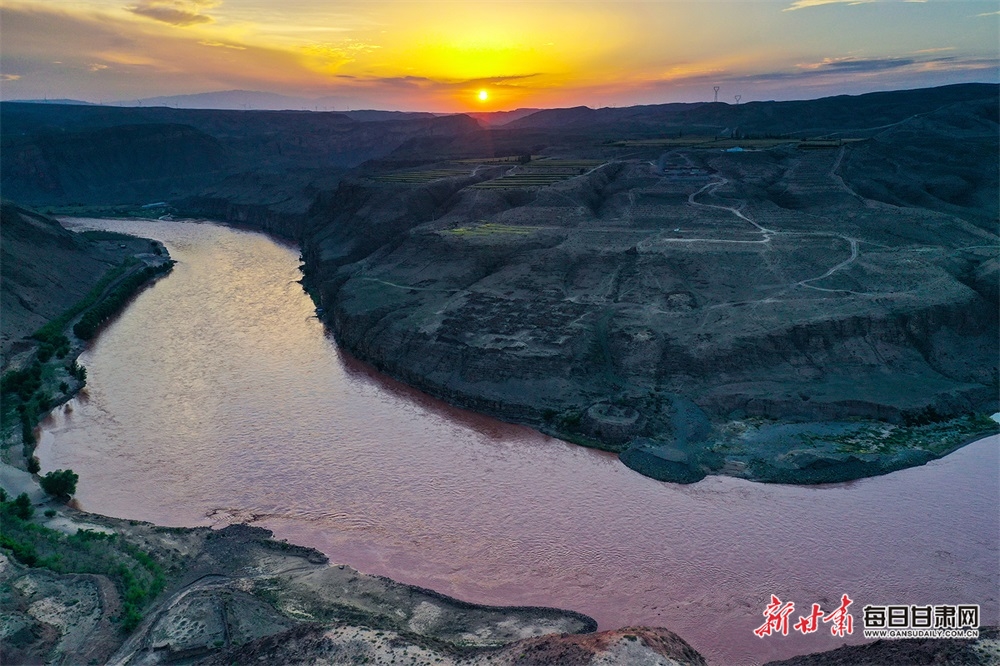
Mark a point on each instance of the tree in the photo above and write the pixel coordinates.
(60, 483)
(21, 507)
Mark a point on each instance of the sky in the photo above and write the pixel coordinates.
(468, 55)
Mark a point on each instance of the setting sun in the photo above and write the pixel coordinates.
(483, 95)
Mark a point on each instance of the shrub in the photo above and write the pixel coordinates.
(21, 507)
(44, 400)
(23, 382)
(28, 427)
(91, 321)
(34, 466)
(60, 483)
(78, 371)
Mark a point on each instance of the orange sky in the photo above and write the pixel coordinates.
(440, 56)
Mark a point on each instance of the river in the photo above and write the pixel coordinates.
(217, 396)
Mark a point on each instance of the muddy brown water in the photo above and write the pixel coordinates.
(218, 397)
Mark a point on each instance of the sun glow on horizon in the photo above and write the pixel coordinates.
(479, 56)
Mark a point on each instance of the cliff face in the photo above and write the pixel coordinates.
(45, 270)
(707, 287)
(129, 163)
(609, 308)
(624, 293)
(56, 155)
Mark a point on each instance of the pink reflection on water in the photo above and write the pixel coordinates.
(217, 397)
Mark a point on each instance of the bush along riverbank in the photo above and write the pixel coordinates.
(51, 375)
(90, 323)
(46, 375)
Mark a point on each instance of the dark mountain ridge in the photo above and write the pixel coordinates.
(819, 116)
(615, 276)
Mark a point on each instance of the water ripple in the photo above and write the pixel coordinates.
(218, 398)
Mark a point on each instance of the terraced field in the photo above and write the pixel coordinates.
(491, 229)
(491, 160)
(421, 177)
(722, 143)
(540, 173)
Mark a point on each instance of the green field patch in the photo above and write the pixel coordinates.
(540, 173)
(695, 141)
(491, 160)
(492, 229)
(553, 162)
(418, 177)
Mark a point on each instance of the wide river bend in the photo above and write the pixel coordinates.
(218, 397)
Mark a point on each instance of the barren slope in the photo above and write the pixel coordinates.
(650, 307)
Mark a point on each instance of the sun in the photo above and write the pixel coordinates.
(483, 95)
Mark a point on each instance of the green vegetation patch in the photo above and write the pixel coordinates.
(491, 229)
(704, 141)
(88, 325)
(112, 210)
(52, 332)
(417, 177)
(103, 235)
(136, 574)
(540, 173)
(917, 432)
(552, 163)
(30, 392)
(511, 159)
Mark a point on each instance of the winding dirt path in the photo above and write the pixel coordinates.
(853, 243)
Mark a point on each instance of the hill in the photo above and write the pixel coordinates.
(44, 269)
(693, 286)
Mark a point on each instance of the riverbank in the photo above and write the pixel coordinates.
(59, 289)
(83, 587)
(272, 292)
(695, 326)
(236, 596)
(235, 592)
(85, 280)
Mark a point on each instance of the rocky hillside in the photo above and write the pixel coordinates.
(45, 270)
(63, 154)
(691, 286)
(235, 596)
(702, 311)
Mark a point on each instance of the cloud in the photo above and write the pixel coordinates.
(96, 67)
(857, 65)
(10, 77)
(332, 56)
(803, 4)
(148, 57)
(223, 45)
(830, 71)
(427, 83)
(175, 12)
